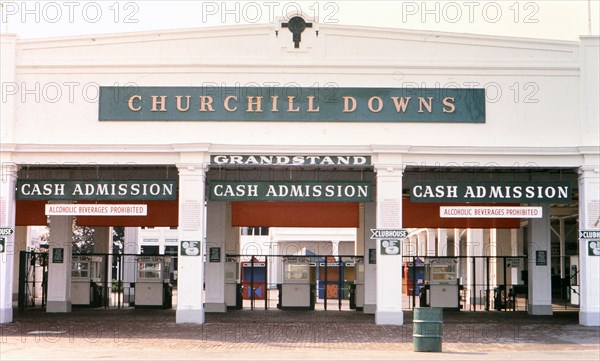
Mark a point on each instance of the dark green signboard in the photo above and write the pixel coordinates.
(96, 190)
(290, 191)
(594, 248)
(502, 192)
(390, 247)
(190, 248)
(293, 104)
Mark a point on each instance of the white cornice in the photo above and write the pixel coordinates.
(296, 149)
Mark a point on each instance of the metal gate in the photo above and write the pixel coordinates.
(472, 283)
(259, 281)
(33, 279)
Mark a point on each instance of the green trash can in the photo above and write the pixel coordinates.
(427, 329)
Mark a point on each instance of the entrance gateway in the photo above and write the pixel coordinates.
(375, 141)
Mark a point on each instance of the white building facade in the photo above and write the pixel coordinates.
(179, 108)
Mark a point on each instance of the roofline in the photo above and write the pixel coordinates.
(273, 27)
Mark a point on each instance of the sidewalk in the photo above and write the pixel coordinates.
(274, 335)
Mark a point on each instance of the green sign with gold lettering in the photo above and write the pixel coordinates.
(292, 104)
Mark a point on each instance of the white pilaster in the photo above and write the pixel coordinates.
(389, 267)
(442, 236)
(59, 273)
(7, 256)
(21, 236)
(589, 265)
(540, 287)
(475, 266)
(215, 271)
(130, 247)
(421, 243)
(370, 292)
(515, 272)
(192, 210)
(431, 242)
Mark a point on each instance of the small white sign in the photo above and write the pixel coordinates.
(490, 212)
(385, 233)
(96, 209)
(6, 231)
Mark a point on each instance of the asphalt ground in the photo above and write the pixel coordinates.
(142, 334)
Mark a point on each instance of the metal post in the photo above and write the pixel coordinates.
(340, 291)
(325, 285)
(266, 283)
(487, 283)
(252, 296)
(106, 273)
(414, 281)
(474, 291)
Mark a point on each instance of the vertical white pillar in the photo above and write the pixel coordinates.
(589, 263)
(130, 247)
(475, 267)
(7, 251)
(514, 272)
(539, 283)
(21, 236)
(190, 290)
(370, 292)
(562, 240)
(431, 242)
(421, 243)
(389, 267)
(103, 245)
(59, 264)
(215, 269)
(442, 236)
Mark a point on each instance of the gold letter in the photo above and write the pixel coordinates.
(226, 103)
(187, 106)
(131, 100)
(370, 104)
(291, 105)
(449, 102)
(274, 99)
(206, 102)
(400, 103)
(311, 105)
(347, 107)
(257, 103)
(423, 103)
(156, 102)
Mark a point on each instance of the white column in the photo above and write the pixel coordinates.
(539, 283)
(421, 243)
(7, 219)
(215, 271)
(442, 235)
(431, 242)
(515, 272)
(103, 244)
(21, 237)
(589, 265)
(130, 247)
(190, 292)
(475, 276)
(389, 267)
(59, 273)
(370, 291)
